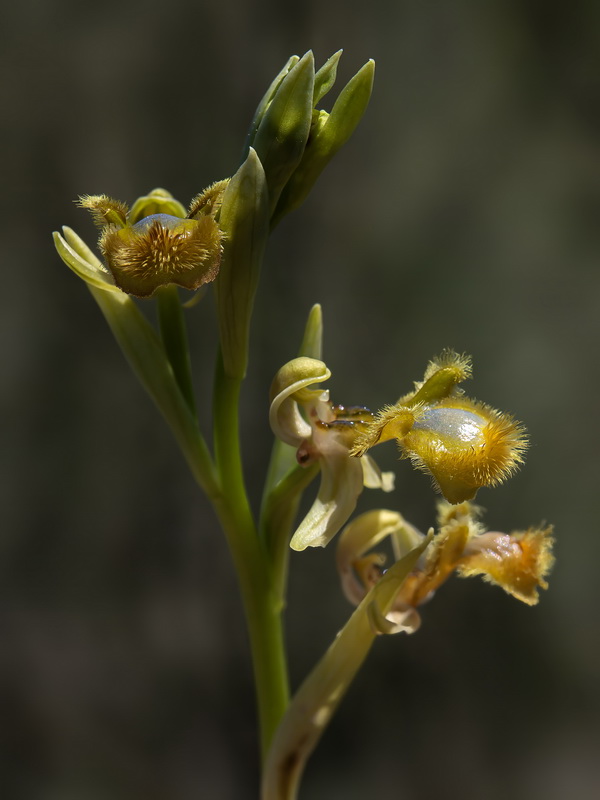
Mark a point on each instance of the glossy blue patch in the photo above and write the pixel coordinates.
(455, 423)
(166, 220)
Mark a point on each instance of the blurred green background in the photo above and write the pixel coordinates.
(463, 213)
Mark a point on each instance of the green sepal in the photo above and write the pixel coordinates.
(326, 138)
(79, 258)
(158, 201)
(266, 100)
(244, 220)
(325, 77)
(312, 342)
(283, 130)
(318, 697)
(441, 384)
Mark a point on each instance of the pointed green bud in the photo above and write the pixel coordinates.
(245, 221)
(283, 131)
(312, 343)
(325, 77)
(158, 201)
(328, 134)
(266, 101)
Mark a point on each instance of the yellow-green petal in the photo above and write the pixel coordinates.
(84, 269)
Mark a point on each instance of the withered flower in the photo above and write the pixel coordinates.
(517, 562)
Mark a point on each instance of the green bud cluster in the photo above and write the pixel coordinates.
(289, 143)
(293, 138)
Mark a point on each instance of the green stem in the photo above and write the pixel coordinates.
(279, 510)
(174, 336)
(263, 612)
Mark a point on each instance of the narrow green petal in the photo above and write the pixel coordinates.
(266, 100)
(325, 77)
(348, 109)
(85, 270)
(327, 139)
(283, 131)
(81, 248)
(312, 343)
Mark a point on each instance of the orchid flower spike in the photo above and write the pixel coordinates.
(303, 417)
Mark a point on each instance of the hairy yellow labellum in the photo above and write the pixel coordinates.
(461, 443)
(518, 563)
(153, 243)
(162, 249)
(464, 445)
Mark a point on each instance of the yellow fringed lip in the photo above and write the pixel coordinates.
(162, 249)
(155, 243)
(462, 443)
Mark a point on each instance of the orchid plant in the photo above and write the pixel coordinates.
(158, 250)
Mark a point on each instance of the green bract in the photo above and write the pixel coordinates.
(327, 135)
(245, 222)
(283, 129)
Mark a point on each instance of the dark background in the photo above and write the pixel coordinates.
(463, 213)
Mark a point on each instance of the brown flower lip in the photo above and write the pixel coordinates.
(162, 249)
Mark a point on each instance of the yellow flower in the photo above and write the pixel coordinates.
(517, 562)
(156, 243)
(462, 443)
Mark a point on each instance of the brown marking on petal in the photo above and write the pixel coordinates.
(518, 562)
(187, 254)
